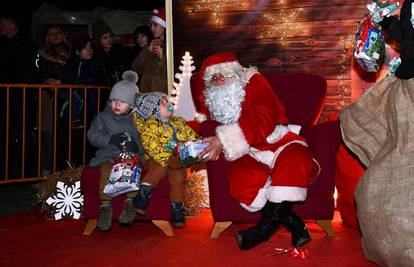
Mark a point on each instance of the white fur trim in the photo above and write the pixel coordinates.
(268, 157)
(282, 130)
(200, 117)
(234, 143)
(223, 68)
(159, 21)
(275, 194)
(248, 73)
(260, 200)
(278, 194)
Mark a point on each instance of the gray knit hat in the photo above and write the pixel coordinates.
(148, 104)
(99, 28)
(125, 89)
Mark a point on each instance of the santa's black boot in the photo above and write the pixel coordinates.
(299, 231)
(273, 215)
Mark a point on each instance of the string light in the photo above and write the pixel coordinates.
(186, 69)
(342, 88)
(214, 5)
(283, 22)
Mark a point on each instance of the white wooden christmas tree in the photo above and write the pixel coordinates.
(181, 93)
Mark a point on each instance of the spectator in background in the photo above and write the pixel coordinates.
(115, 58)
(151, 63)
(53, 57)
(17, 54)
(142, 37)
(82, 69)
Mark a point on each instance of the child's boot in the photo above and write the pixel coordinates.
(127, 217)
(105, 216)
(177, 214)
(140, 202)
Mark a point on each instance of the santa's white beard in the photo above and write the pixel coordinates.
(224, 101)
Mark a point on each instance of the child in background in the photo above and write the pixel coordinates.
(108, 133)
(160, 133)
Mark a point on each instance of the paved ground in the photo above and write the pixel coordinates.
(16, 198)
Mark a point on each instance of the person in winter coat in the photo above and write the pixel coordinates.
(114, 57)
(107, 133)
(151, 63)
(160, 134)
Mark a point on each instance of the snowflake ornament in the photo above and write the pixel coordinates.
(67, 201)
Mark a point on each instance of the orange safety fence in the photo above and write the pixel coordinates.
(44, 127)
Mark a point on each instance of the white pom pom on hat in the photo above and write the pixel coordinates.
(159, 17)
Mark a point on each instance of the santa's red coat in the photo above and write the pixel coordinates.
(267, 160)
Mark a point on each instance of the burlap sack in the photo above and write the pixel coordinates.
(379, 128)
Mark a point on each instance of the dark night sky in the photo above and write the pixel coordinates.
(121, 4)
(24, 11)
(29, 6)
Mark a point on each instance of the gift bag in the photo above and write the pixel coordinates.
(125, 175)
(188, 152)
(369, 45)
(383, 8)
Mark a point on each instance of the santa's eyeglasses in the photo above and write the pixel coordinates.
(219, 77)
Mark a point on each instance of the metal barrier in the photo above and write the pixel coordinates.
(30, 129)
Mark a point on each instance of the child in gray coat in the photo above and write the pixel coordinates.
(108, 132)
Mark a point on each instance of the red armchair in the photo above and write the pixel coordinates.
(303, 96)
(158, 211)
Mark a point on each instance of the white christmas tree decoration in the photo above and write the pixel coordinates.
(182, 100)
(67, 201)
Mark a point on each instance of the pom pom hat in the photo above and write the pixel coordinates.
(125, 89)
(148, 104)
(159, 17)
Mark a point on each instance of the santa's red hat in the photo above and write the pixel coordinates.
(159, 17)
(219, 63)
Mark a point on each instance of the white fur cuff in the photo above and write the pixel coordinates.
(234, 143)
(278, 194)
(275, 194)
(200, 117)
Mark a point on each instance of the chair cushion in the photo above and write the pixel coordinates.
(158, 207)
(302, 94)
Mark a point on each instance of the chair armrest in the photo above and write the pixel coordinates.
(323, 140)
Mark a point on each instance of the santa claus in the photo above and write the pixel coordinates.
(270, 164)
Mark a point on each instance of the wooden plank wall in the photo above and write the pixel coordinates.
(317, 36)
